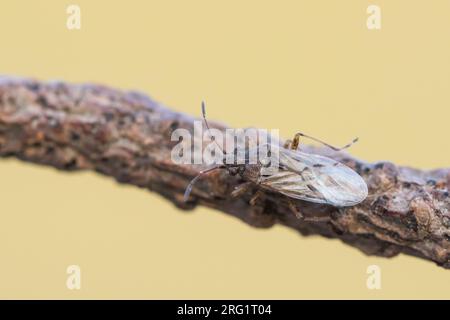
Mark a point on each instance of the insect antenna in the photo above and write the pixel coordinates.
(189, 187)
(207, 126)
(188, 190)
(328, 145)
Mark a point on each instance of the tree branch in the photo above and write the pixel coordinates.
(126, 135)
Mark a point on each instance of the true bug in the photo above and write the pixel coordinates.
(303, 176)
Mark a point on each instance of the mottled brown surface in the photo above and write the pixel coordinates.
(126, 135)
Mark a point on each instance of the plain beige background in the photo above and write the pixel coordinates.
(293, 65)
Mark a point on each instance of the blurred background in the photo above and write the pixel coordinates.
(310, 65)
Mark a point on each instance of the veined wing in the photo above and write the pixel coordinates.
(316, 178)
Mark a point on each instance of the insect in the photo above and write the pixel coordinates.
(301, 175)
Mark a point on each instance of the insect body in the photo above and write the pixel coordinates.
(300, 175)
(315, 178)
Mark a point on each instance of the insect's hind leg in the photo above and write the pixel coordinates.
(295, 210)
(287, 144)
(300, 215)
(294, 145)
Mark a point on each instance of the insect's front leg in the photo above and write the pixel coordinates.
(259, 195)
(241, 189)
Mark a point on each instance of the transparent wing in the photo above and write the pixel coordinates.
(316, 178)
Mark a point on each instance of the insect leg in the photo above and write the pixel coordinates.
(295, 210)
(287, 144)
(239, 190)
(258, 195)
(296, 141)
(300, 215)
(317, 219)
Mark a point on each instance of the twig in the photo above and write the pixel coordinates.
(126, 135)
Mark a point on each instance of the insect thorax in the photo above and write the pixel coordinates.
(251, 172)
(246, 164)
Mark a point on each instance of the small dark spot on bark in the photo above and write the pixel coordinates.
(33, 86)
(336, 230)
(411, 223)
(318, 165)
(74, 136)
(124, 178)
(71, 164)
(406, 184)
(9, 154)
(42, 101)
(50, 150)
(379, 165)
(109, 116)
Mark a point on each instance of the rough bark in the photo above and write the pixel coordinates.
(126, 135)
